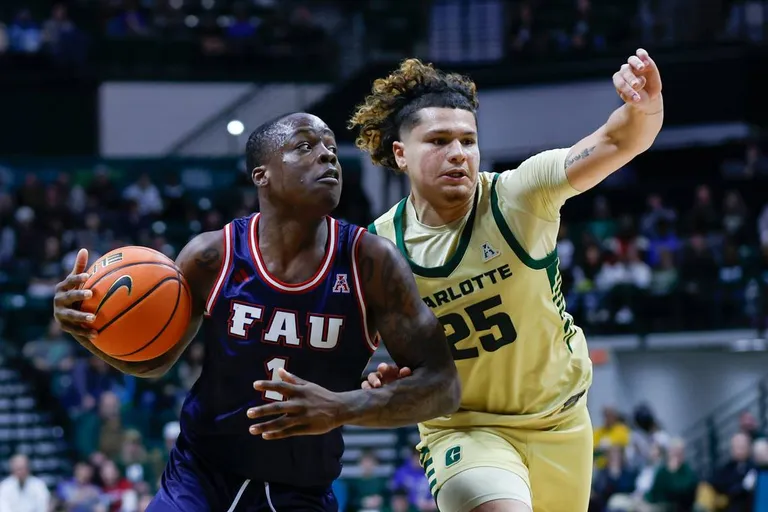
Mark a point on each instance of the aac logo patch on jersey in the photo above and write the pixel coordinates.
(341, 285)
(452, 456)
(489, 252)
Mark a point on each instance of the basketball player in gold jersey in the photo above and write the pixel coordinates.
(482, 248)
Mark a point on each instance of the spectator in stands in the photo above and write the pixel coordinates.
(655, 213)
(730, 480)
(601, 225)
(102, 431)
(48, 270)
(587, 34)
(646, 438)
(79, 493)
(102, 191)
(117, 491)
(734, 217)
(753, 164)
(732, 281)
(647, 472)
(613, 432)
(53, 353)
(146, 196)
(409, 477)
(134, 461)
(128, 21)
(243, 26)
(399, 502)
(663, 238)
(625, 281)
(698, 274)
(369, 490)
(614, 483)
(22, 491)
(675, 483)
(24, 33)
(191, 365)
(93, 377)
(702, 217)
(749, 425)
(61, 38)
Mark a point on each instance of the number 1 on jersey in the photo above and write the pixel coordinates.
(273, 365)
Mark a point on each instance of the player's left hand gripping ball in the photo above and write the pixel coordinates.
(638, 82)
(306, 408)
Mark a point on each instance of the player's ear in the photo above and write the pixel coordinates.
(259, 176)
(398, 148)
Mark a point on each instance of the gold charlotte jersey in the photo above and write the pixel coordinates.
(492, 279)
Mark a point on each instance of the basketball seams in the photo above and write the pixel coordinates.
(126, 265)
(170, 317)
(137, 302)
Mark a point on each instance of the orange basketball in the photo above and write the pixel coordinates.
(141, 301)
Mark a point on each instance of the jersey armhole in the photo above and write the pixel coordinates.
(221, 277)
(372, 342)
(372, 228)
(509, 237)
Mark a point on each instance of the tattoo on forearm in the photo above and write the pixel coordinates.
(580, 156)
(412, 336)
(209, 259)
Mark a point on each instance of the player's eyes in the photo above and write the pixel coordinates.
(468, 142)
(304, 146)
(439, 142)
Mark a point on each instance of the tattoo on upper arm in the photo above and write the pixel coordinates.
(397, 317)
(579, 156)
(209, 259)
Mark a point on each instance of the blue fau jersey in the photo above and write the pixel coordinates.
(256, 324)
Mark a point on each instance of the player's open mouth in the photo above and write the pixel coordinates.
(331, 176)
(455, 174)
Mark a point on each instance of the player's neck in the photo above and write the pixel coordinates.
(284, 237)
(439, 215)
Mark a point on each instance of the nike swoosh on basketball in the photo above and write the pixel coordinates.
(120, 282)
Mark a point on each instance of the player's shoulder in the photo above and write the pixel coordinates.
(385, 225)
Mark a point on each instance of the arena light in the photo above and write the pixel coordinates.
(235, 128)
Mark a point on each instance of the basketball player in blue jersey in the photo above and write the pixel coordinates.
(292, 299)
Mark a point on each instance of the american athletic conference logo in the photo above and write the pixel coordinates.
(341, 285)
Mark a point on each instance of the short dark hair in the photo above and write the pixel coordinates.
(260, 143)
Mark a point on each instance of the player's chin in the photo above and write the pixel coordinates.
(327, 198)
(456, 190)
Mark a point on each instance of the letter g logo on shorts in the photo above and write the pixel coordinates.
(452, 456)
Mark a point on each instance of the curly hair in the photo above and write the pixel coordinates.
(395, 101)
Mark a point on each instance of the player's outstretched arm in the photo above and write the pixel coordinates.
(199, 262)
(629, 131)
(414, 339)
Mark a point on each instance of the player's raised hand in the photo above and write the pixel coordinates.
(306, 408)
(638, 82)
(68, 292)
(384, 374)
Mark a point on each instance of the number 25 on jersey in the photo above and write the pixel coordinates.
(483, 321)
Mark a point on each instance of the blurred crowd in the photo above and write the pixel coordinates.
(56, 36)
(683, 262)
(639, 467)
(332, 31)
